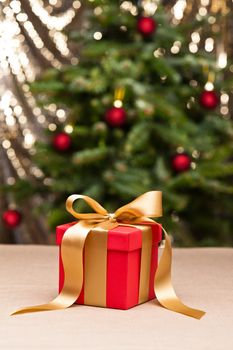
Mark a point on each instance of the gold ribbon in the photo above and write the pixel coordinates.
(138, 211)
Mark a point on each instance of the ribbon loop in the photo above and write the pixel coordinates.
(148, 205)
(100, 212)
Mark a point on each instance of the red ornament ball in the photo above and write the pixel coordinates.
(181, 162)
(146, 26)
(11, 218)
(61, 142)
(209, 99)
(115, 116)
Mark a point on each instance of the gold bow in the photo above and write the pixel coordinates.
(138, 211)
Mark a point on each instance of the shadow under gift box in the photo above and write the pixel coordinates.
(124, 247)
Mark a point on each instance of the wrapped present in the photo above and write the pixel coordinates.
(127, 275)
(110, 259)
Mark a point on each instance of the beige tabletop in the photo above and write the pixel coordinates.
(203, 278)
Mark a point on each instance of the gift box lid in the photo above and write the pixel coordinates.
(124, 238)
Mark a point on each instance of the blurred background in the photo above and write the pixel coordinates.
(112, 99)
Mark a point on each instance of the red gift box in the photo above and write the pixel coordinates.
(110, 259)
(124, 245)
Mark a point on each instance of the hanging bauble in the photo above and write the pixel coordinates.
(146, 26)
(11, 218)
(181, 162)
(61, 142)
(115, 116)
(209, 99)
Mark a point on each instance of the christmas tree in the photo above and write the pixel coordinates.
(138, 112)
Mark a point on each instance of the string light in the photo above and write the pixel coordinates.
(76, 4)
(205, 2)
(224, 110)
(130, 7)
(97, 11)
(209, 86)
(97, 35)
(224, 98)
(149, 7)
(36, 172)
(68, 129)
(52, 22)
(29, 140)
(202, 11)
(117, 103)
(52, 127)
(159, 52)
(10, 180)
(195, 36)
(196, 154)
(61, 115)
(209, 44)
(193, 47)
(193, 83)
(180, 149)
(222, 59)
(193, 165)
(211, 19)
(176, 47)
(178, 10)
(16, 61)
(6, 144)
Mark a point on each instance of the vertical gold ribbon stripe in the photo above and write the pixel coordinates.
(95, 268)
(145, 263)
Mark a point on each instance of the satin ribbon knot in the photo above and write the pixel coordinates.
(111, 217)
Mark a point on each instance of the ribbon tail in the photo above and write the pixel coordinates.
(53, 305)
(72, 257)
(164, 290)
